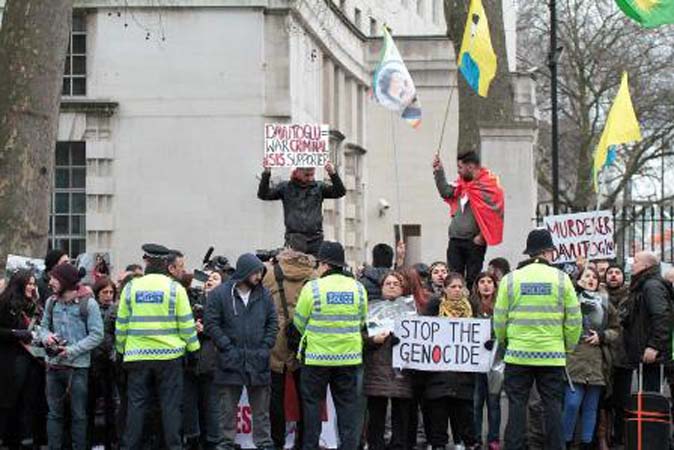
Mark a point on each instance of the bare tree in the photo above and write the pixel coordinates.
(474, 110)
(33, 42)
(599, 43)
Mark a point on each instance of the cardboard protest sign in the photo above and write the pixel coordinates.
(296, 145)
(441, 344)
(382, 314)
(588, 235)
(16, 262)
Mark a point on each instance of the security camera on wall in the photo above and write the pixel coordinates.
(383, 206)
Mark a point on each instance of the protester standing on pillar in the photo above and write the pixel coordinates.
(154, 331)
(477, 206)
(331, 314)
(302, 198)
(537, 319)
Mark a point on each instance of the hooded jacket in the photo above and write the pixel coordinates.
(243, 334)
(648, 319)
(298, 268)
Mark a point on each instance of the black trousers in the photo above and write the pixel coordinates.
(622, 383)
(459, 412)
(143, 379)
(550, 385)
(401, 409)
(102, 386)
(277, 412)
(466, 258)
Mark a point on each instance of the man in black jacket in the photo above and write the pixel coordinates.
(648, 319)
(302, 198)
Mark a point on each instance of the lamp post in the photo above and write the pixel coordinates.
(553, 58)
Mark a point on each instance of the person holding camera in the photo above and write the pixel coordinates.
(302, 198)
(285, 277)
(71, 328)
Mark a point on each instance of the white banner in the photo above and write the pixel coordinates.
(588, 235)
(296, 145)
(442, 344)
(244, 426)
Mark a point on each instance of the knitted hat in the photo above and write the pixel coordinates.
(52, 258)
(67, 275)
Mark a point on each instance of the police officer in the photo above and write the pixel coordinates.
(154, 331)
(330, 315)
(537, 318)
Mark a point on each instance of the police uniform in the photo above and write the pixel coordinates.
(154, 331)
(330, 315)
(537, 318)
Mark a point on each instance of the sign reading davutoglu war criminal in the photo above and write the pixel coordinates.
(296, 145)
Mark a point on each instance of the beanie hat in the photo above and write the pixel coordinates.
(67, 275)
(52, 258)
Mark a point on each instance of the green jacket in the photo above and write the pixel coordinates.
(330, 314)
(537, 316)
(154, 320)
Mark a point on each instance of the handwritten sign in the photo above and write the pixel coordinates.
(296, 145)
(441, 344)
(588, 235)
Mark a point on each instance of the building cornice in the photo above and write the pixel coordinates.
(88, 106)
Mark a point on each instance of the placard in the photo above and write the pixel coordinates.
(587, 235)
(440, 344)
(382, 314)
(16, 262)
(296, 145)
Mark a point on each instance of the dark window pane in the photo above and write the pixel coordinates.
(78, 178)
(78, 246)
(63, 244)
(79, 204)
(51, 227)
(61, 224)
(77, 154)
(79, 44)
(79, 65)
(79, 86)
(67, 67)
(66, 87)
(79, 22)
(77, 225)
(62, 149)
(62, 178)
(62, 204)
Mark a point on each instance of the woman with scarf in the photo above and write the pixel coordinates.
(438, 272)
(589, 365)
(449, 395)
(484, 298)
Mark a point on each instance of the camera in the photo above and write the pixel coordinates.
(54, 349)
(267, 255)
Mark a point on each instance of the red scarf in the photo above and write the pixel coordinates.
(486, 201)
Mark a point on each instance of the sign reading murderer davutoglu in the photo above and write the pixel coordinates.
(296, 145)
(442, 344)
(588, 235)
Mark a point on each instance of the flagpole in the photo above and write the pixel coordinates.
(444, 122)
(397, 177)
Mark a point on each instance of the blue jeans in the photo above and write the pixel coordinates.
(67, 384)
(585, 400)
(493, 402)
(201, 409)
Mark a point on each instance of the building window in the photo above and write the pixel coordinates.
(357, 18)
(75, 75)
(373, 26)
(67, 221)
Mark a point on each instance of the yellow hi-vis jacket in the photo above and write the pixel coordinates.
(537, 316)
(330, 314)
(154, 320)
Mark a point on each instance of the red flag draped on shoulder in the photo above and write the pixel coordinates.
(487, 202)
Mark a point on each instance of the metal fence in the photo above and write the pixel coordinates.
(636, 228)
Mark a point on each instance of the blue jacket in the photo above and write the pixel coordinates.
(243, 334)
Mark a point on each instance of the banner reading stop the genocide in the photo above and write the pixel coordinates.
(442, 344)
(586, 235)
(296, 145)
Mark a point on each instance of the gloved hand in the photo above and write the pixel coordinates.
(489, 345)
(22, 335)
(395, 340)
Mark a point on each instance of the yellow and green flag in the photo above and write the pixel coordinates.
(477, 60)
(649, 13)
(621, 127)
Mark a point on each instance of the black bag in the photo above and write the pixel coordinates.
(293, 337)
(647, 418)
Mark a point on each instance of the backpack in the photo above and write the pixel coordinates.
(84, 312)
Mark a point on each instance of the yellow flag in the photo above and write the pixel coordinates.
(621, 127)
(477, 60)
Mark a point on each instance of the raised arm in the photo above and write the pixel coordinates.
(265, 191)
(445, 189)
(335, 189)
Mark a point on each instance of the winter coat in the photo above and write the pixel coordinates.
(380, 378)
(648, 321)
(297, 268)
(302, 205)
(618, 298)
(371, 280)
(207, 354)
(591, 364)
(243, 334)
(444, 384)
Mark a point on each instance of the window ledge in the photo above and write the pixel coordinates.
(84, 105)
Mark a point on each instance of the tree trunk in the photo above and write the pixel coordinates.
(33, 43)
(474, 110)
